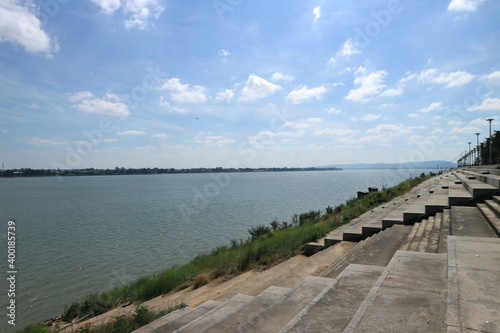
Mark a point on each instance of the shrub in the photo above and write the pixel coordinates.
(201, 280)
(258, 231)
(35, 329)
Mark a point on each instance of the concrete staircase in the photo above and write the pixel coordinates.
(438, 275)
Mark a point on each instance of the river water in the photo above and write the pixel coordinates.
(80, 235)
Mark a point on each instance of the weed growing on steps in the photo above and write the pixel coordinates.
(267, 246)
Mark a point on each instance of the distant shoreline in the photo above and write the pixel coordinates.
(25, 173)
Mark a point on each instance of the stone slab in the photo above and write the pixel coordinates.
(200, 310)
(276, 316)
(468, 221)
(412, 284)
(473, 288)
(211, 317)
(236, 320)
(333, 309)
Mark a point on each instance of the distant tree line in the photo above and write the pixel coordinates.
(27, 172)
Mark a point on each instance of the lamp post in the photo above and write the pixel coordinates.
(470, 156)
(478, 153)
(490, 120)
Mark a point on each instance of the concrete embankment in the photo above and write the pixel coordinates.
(426, 261)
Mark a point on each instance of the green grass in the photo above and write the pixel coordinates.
(269, 247)
(122, 324)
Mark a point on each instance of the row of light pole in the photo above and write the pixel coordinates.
(474, 156)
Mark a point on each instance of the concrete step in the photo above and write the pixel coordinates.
(409, 296)
(478, 189)
(433, 245)
(396, 216)
(473, 288)
(155, 325)
(468, 221)
(485, 177)
(277, 315)
(216, 314)
(376, 250)
(407, 243)
(418, 236)
(417, 211)
(458, 194)
(496, 199)
(356, 231)
(445, 231)
(491, 212)
(164, 325)
(439, 200)
(424, 242)
(239, 318)
(494, 206)
(332, 310)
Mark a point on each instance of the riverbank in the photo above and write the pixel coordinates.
(271, 248)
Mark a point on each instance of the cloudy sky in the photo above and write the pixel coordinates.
(254, 83)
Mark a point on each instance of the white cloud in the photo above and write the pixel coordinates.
(369, 85)
(378, 140)
(413, 115)
(349, 48)
(479, 122)
(371, 117)
(317, 13)
(391, 130)
(132, 132)
(161, 136)
(383, 106)
(110, 104)
(19, 25)
(46, 142)
(489, 104)
(223, 53)
(108, 6)
(393, 92)
(314, 120)
(333, 110)
(334, 132)
(257, 88)
(184, 93)
(464, 5)
(225, 95)
(464, 130)
(303, 94)
(493, 76)
(278, 76)
(433, 106)
(139, 11)
(453, 79)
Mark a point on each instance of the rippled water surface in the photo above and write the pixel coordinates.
(89, 234)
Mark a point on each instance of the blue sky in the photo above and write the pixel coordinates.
(244, 83)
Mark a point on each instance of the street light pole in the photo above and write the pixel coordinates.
(490, 120)
(478, 153)
(470, 156)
